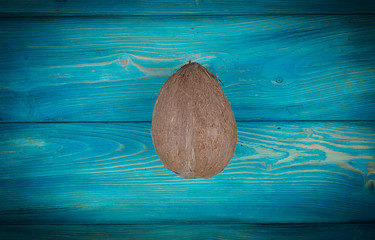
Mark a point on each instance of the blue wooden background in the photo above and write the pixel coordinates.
(78, 80)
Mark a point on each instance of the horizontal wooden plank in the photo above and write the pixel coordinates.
(187, 7)
(190, 231)
(111, 69)
(101, 173)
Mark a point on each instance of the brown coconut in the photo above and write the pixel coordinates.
(193, 128)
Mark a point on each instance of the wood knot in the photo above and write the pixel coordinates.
(278, 79)
(124, 62)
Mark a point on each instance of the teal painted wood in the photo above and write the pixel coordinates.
(98, 173)
(186, 7)
(190, 231)
(111, 69)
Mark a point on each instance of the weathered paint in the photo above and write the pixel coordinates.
(106, 173)
(92, 62)
(182, 7)
(110, 69)
(186, 230)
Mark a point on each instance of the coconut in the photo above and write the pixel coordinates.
(193, 128)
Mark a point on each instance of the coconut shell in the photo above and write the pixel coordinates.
(193, 128)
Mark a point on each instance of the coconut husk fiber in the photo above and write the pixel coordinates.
(193, 128)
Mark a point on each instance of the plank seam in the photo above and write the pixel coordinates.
(240, 121)
(36, 15)
(197, 223)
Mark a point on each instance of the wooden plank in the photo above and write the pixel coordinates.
(111, 69)
(180, 7)
(190, 231)
(101, 173)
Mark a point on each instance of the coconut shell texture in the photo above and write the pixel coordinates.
(193, 128)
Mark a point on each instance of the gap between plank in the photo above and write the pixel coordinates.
(198, 223)
(36, 15)
(241, 121)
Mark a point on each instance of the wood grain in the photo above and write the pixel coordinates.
(190, 231)
(180, 7)
(101, 173)
(111, 69)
